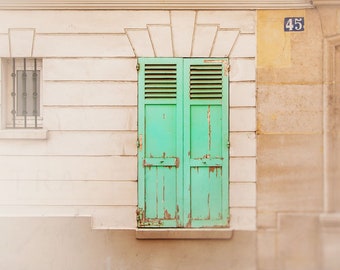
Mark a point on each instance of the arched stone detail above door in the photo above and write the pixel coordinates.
(197, 34)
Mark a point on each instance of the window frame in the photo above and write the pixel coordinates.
(18, 122)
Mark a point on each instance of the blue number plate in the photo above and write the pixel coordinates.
(294, 24)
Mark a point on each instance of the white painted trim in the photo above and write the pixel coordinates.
(154, 4)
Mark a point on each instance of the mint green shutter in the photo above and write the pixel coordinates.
(206, 142)
(160, 140)
(183, 143)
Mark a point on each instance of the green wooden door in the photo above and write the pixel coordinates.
(206, 142)
(160, 186)
(183, 142)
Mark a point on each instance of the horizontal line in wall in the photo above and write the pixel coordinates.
(68, 156)
(74, 131)
(281, 214)
(230, 156)
(67, 205)
(152, 5)
(126, 132)
(214, 24)
(98, 81)
(68, 181)
(240, 34)
(297, 213)
(221, 28)
(240, 208)
(91, 206)
(242, 182)
(250, 131)
(242, 107)
(326, 2)
(82, 34)
(53, 56)
(241, 57)
(150, 24)
(124, 57)
(241, 81)
(75, 33)
(105, 156)
(289, 133)
(261, 83)
(73, 205)
(90, 130)
(91, 81)
(91, 106)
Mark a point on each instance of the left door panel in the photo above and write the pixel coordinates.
(160, 194)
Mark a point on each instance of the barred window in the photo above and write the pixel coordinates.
(23, 93)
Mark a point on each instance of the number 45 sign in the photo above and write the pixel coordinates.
(294, 24)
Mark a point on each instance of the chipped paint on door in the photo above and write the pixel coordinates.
(183, 109)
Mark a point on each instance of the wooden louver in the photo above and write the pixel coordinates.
(206, 81)
(160, 81)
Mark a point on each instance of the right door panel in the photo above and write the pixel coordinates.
(206, 142)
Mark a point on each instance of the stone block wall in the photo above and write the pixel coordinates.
(84, 161)
(292, 164)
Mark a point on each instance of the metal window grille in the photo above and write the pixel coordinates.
(25, 93)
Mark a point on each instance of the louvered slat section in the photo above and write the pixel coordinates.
(160, 81)
(206, 81)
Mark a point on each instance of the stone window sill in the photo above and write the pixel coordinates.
(184, 234)
(23, 134)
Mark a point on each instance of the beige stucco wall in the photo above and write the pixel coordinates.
(80, 175)
(289, 100)
(62, 187)
(84, 161)
(330, 220)
(70, 243)
(298, 227)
